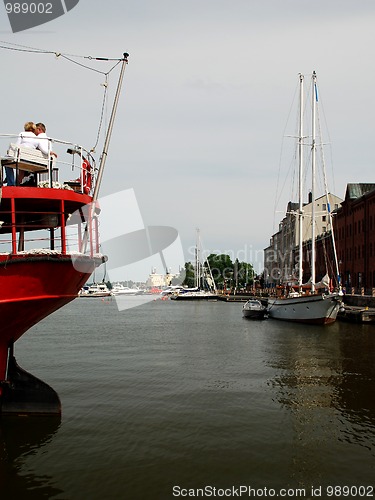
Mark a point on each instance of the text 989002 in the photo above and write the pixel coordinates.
(29, 8)
(31, 13)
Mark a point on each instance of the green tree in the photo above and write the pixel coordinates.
(225, 273)
(189, 280)
(221, 268)
(245, 274)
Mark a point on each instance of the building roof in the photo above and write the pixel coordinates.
(292, 206)
(354, 191)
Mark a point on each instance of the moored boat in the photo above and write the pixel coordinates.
(319, 309)
(95, 290)
(120, 289)
(205, 287)
(313, 302)
(39, 280)
(254, 309)
(49, 248)
(194, 294)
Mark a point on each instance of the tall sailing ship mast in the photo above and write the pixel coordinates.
(314, 305)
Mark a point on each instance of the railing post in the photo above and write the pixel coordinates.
(63, 227)
(50, 168)
(90, 233)
(14, 233)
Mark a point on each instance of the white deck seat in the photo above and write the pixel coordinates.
(24, 158)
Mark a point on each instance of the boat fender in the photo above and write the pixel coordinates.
(86, 176)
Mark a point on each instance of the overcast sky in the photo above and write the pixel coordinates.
(206, 97)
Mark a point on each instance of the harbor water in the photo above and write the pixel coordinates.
(175, 399)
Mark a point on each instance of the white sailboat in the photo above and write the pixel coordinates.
(315, 303)
(205, 287)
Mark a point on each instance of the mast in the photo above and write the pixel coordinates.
(300, 181)
(103, 157)
(197, 262)
(109, 130)
(313, 163)
(335, 258)
(330, 218)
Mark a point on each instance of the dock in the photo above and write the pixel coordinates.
(357, 314)
(241, 297)
(234, 298)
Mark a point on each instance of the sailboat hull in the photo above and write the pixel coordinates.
(313, 309)
(199, 295)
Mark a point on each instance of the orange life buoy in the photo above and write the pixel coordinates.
(86, 176)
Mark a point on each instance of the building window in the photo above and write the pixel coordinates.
(324, 206)
(324, 218)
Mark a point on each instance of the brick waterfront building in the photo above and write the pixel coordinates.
(354, 226)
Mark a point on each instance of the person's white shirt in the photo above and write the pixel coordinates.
(28, 139)
(42, 143)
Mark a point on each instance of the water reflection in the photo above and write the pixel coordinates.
(358, 369)
(22, 437)
(355, 394)
(325, 379)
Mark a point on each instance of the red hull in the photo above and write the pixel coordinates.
(36, 283)
(32, 287)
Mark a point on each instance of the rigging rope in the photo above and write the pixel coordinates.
(26, 48)
(69, 58)
(105, 85)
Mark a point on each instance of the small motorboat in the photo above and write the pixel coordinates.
(95, 290)
(254, 309)
(119, 289)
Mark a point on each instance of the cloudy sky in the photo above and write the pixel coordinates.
(206, 98)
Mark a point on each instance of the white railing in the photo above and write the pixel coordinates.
(67, 166)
